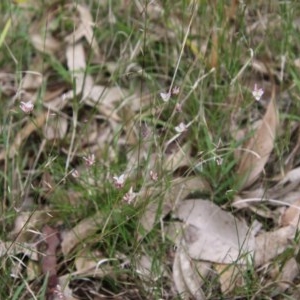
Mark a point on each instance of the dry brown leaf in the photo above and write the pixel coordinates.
(288, 273)
(8, 84)
(287, 184)
(32, 80)
(178, 158)
(268, 245)
(55, 128)
(189, 275)
(63, 282)
(180, 188)
(178, 278)
(14, 248)
(84, 28)
(230, 276)
(292, 215)
(80, 232)
(28, 224)
(259, 147)
(212, 234)
(45, 44)
(194, 273)
(23, 134)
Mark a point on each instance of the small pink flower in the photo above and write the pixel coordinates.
(119, 181)
(89, 160)
(181, 128)
(153, 176)
(129, 196)
(178, 107)
(257, 93)
(175, 90)
(75, 173)
(165, 96)
(27, 107)
(58, 292)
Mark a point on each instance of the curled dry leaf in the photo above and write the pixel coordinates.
(84, 28)
(259, 147)
(212, 234)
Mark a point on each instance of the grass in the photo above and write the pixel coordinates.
(203, 47)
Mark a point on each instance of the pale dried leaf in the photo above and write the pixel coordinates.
(259, 147)
(194, 273)
(32, 80)
(8, 84)
(230, 276)
(28, 224)
(55, 128)
(33, 270)
(268, 245)
(288, 273)
(80, 232)
(64, 284)
(287, 184)
(212, 234)
(23, 134)
(292, 215)
(86, 260)
(180, 188)
(84, 29)
(45, 44)
(178, 158)
(178, 278)
(15, 248)
(75, 57)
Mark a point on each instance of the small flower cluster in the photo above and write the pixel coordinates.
(27, 107)
(166, 96)
(89, 160)
(257, 92)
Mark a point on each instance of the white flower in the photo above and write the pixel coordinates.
(178, 107)
(119, 181)
(153, 176)
(175, 90)
(181, 128)
(90, 160)
(165, 96)
(27, 107)
(257, 93)
(75, 173)
(129, 196)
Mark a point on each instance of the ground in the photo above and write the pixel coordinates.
(149, 149)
